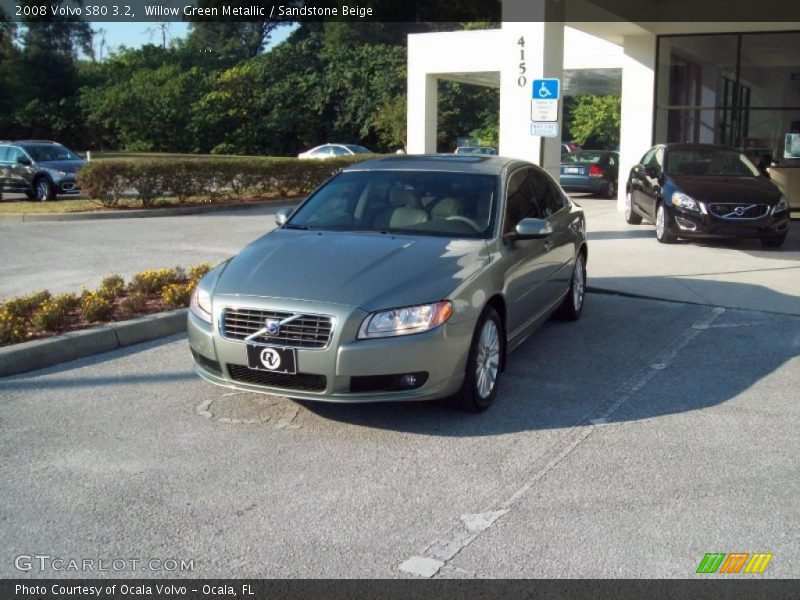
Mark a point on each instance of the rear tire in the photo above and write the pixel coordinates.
(631, 217)
(663, 234)
(774, 241)
(572, 306)
(610, 190)
(484, 364)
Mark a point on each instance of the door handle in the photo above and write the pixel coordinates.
(548, 245)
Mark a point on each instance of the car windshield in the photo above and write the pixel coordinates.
(583, 157)
(358, 149)
(48, 152)
(455, 205)
(709, 162)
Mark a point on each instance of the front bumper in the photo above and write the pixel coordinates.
(67, 187)
(326, 374)
(690, 224)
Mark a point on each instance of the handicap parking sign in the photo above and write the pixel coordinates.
(545, 89)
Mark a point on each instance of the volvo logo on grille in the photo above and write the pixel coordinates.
(272, 327)
(739, 210)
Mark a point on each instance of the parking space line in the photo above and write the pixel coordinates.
(439, 554)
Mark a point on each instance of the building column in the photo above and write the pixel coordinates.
(638, 102)
(423, 100)
(538, 23)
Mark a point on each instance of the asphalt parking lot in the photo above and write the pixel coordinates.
(628, 444)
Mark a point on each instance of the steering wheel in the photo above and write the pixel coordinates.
(466, 220)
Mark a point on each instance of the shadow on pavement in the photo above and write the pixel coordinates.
(567, 374)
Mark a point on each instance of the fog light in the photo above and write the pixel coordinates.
(409, 380)
(685, 224)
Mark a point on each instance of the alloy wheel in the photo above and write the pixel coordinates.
(487, 362)
(660, 222)
(42, 190)
(628, 206)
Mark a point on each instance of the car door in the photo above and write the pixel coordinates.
(638, 180)
(3, 167)
(18, 176)
(525, 262)
(560, 245)
(651, 183)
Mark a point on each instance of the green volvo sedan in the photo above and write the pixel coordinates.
(400, 278)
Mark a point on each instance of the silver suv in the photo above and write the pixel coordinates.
(39, 169)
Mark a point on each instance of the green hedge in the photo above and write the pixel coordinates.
(107, 181)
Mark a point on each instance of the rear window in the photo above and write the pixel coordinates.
(3, 153)
(584, 157)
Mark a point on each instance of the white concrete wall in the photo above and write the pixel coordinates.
(638, 84)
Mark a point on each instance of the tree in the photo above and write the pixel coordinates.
(595, 119)
(231, 41)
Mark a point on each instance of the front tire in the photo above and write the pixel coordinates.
(774, 241)
(44, 190)
(631, 217)
(484, 364)
(663, 234)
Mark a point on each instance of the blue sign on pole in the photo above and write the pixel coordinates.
(545, 89)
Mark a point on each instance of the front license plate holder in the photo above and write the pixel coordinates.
(272, 359)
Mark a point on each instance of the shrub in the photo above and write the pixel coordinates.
(13, 328)
(177, 295)
(153, 281)
(94, 307)
(134, 303)
(25, 306)
(209, 176)
(52, 314)
(112, 287)
(197, 272)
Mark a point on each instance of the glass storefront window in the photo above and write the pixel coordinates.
(741, 90)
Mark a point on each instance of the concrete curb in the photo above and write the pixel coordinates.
(143, 214)
(47, 352)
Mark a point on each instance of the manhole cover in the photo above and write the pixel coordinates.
(242, 408)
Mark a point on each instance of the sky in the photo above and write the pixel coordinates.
(134, 35)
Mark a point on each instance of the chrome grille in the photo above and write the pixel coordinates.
(305, 331)
(738, 211)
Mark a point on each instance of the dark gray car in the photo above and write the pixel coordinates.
(403, 278)
(39, 169)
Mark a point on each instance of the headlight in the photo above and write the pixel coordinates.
(683, 201)
(200, 304)
(405, 321)
(782, 205)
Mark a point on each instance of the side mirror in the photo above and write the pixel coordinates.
(652, 172)
(282, 216)
(532, 229)
(24, 160)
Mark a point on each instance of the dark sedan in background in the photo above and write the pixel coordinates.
(594, 171)
(705, 191)
(405, 278)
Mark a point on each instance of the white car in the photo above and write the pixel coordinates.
(334, 150)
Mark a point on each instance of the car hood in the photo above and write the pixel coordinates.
(68, 166)
(755, 190)
(370, 271)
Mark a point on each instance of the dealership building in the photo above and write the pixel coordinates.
(735, 83)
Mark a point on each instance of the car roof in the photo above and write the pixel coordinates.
(451, 163)
(37, 142)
